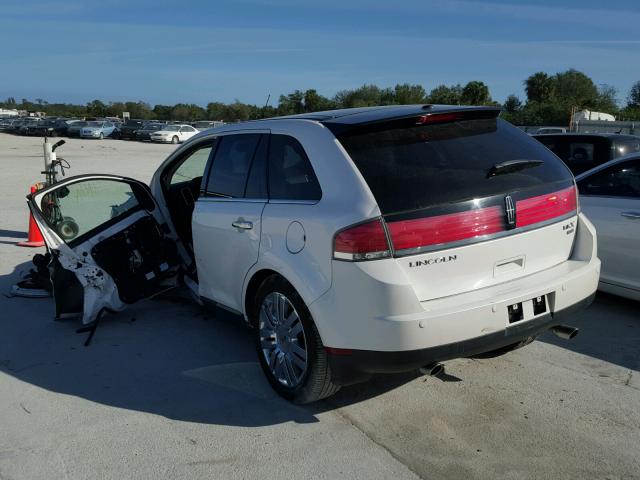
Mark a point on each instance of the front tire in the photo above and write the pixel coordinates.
(175, 140)
(101, 136)
(288, 345)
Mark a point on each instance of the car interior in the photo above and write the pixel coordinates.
(181, 184)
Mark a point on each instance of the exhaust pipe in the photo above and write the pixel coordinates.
(433, 369)
(565, 331)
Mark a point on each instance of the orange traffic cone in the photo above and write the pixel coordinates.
(35, 236)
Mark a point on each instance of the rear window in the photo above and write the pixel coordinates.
(409, 166)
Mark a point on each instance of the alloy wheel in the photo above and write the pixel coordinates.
(282, 340)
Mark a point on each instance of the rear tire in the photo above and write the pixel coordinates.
(280, 339)
(175, 140)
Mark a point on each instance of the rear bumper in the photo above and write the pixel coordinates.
(361, 364)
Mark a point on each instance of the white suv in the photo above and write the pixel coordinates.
(355, 241)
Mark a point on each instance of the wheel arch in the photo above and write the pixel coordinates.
(252, 287)
(253, 282)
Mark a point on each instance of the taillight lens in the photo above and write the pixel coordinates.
(422, 232)
(546, 207)
(367, 241)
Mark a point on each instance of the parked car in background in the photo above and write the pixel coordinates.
(14, 125)
(544, 130)
(205, 124)
(6, 123)
(610, 198)
(351, 244)
(174, 133)
(129, 128)
(28, 125)
(74, 129)
(50, 128)
(144, 133)
(99, 129)
(584, 151)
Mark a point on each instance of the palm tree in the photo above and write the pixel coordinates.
(539, 87)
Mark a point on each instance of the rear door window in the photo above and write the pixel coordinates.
(231, 164)
(291, 176)
(410, 166)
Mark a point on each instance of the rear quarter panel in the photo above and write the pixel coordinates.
(345, 200)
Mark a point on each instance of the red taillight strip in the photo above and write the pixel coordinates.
(366, 241)
(455, 227)
(452, 227)
(545, 207)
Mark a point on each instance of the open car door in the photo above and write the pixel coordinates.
(109, 242)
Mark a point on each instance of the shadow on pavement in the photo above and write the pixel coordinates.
(167, 357)
(12, 234)
(607, 332)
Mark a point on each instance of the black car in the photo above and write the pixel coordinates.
(128, 130)
(28, 125)
(584, 151)
(147, 129)
(50, 128)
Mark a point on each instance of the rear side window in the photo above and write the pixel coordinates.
(231, 164)
(291, 176)
(409, 166)
(625, 147)
(622, 180)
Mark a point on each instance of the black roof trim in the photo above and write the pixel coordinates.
(378, 114)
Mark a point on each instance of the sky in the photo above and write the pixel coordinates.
(201, 51)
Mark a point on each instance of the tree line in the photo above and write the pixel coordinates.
(549, 101)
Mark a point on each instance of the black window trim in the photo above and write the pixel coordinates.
(205, 197)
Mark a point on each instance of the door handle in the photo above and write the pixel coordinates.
(242, 225)
(633, 215)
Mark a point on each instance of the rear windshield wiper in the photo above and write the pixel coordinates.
(511, 166)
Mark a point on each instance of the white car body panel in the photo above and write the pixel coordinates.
(224, 253)
(450, 271)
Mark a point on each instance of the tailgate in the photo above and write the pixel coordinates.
(451, 271)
